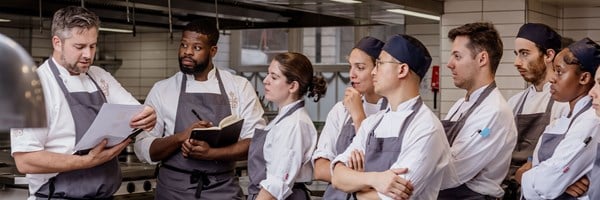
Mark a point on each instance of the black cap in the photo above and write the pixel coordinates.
(370, 45)
(588, 53)
(540, 34)
(404, 51)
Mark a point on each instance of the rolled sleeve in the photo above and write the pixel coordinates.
(330, 133)
(249, 109)
(144, 140)
(27, 139)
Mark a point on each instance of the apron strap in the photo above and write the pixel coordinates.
(455, 130)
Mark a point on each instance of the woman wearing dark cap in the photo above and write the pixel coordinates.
(279, 156)
(567, 149)
(360, 101)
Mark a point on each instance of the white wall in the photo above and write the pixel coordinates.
(578, 23)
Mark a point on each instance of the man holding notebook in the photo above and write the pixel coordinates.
(197, 97)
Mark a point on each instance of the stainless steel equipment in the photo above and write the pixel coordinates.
(21, 96)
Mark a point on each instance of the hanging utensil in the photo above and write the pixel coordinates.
(217, 15)
(170, 21)
(127, 10)
(41, 21)
(133, 18)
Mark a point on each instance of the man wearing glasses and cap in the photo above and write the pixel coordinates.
(536, 46)
(406, 153)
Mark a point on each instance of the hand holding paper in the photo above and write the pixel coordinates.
(112, 123)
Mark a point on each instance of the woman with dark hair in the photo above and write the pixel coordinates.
(279, 156)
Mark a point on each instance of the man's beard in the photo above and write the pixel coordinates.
(198, 68)
(538, 70)
(71, 67)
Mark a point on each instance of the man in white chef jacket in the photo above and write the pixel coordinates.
(536, 46)
(405, 150)
(200, 95)
(480, 126)
(74, 91)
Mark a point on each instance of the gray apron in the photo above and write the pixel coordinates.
(188, 178)
(529, 127)
(99, 182)
(549, 142)
(344, 139)
(381, 153)
(257, 169)
(452, 129)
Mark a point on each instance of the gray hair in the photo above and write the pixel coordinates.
(70, 17)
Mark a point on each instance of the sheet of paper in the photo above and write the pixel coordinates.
(111, 123)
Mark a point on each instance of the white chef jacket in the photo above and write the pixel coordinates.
(482, 162)
(164, 97)
(550, 179)
(425, 149)
(336, 119)
(287, 150)
(59, 136)
(536, 102)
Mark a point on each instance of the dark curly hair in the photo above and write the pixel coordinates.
(205, 27)
(296, 67)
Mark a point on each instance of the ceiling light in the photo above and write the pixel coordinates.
(415, 14)
(115, 30)
(347, 1)
(4, 20)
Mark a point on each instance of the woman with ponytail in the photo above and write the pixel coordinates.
(279, 156)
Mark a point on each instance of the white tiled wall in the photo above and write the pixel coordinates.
(578, 23)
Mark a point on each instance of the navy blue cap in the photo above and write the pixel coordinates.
(588, 53)
(370, 45)
(403, 50)
(540, 34)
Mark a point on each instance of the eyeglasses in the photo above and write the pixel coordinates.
(380, 62)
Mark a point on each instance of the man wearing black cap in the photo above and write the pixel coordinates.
(535, 48)
(360, 101)
(567, 148)
(480, 127)
(406, 153)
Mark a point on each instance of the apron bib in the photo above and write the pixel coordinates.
(381, 153)
(529, 128)
(257, 169)
(99, 182)
(452, 130)
(344, 139)
(550, 141)
(187, 178)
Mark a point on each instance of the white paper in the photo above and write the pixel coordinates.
(111, 123)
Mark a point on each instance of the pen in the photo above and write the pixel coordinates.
(196, 114)
(586, 141)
